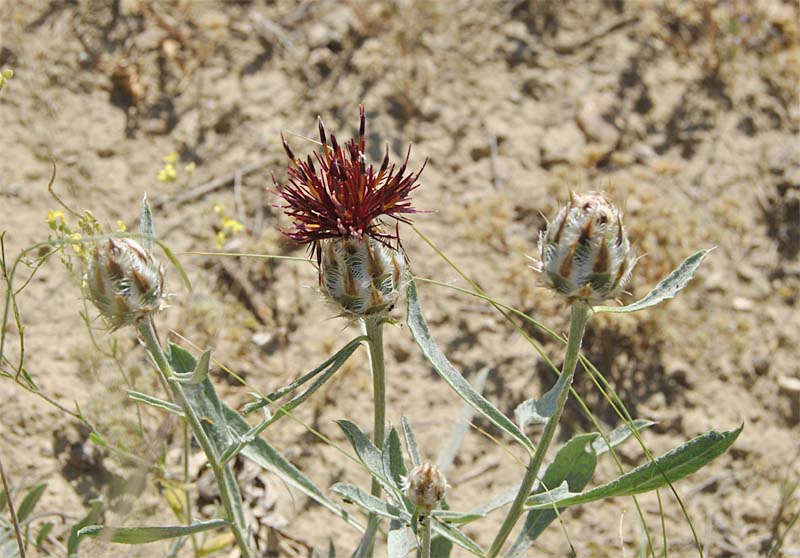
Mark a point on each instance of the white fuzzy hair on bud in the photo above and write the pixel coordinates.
(425, 486)
(363, 277)
(124, 281)
(585, 253)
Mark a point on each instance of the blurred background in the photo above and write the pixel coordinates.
(685, 112)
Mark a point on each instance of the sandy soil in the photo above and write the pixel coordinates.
(687, 113)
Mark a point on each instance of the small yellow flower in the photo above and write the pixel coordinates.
(232, 225)
(171, 158)
(167, 174)
(121, 226)
(190, 168)
(55, 219)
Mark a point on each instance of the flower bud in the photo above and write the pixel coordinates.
(585, 253)
(425, 486)
(364, 277)
(124, 281)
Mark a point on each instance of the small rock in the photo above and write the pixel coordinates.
(789, 384)
(742, 304)
(562, 144)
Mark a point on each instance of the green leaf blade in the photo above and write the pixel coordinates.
(668, 288)
(419, 330)
(668, 468)
(144, 535)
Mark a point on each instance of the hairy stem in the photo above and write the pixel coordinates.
(426, 536)
(228, 489)
(373, 328)
(580, 315)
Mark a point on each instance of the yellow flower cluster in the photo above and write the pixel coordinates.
(228, 226)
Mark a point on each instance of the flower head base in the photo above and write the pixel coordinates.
(345, 197)
(363, 277)
(124, 281)
(425, 486)
(585, 253)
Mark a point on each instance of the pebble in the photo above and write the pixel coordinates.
(742, 304)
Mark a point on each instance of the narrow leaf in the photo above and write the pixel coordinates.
(666, 289)
(619, 435)
(144, 535)
(672, 466)
(28, 503)
(400, 541)
(441, 547)
(155, 402)
(393, 466)
(91, 517)
(411, 441)
(44, 532)
(421, 334)
(368, 454)
(146, 225)
(175, 263)
(370, 503)
(539, 411)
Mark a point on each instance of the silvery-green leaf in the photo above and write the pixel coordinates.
(666, 289)
(144, 535)
(44, 532)
(619, 435)
(400, 541)
(200, 372)
(411, 441)
(155, 402)
(369, 455)
(225, 426)
(441, 547)
(456, 518)
(443, 367)
(539, 411)
(574, 464)
(393, 466)
(146, 225)
(668, 468)
(370, 503)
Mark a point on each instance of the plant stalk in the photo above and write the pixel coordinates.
(373, 329)
(426, 536)
(228, 491)
(579, 316)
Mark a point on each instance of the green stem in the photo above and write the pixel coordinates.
(373, 329)
(228, 489)
(580, 315)
(426, 536)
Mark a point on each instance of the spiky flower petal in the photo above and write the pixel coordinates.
(363, 277)
(425, 486)
(124, 281)
(341, 196)
(585, 253)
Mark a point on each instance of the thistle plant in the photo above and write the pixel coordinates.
(340, 211)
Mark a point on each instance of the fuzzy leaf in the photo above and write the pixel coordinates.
(225, 426)
(369, 455)
(393, 466)
(411, 442)
(673, 466)
(369, 502)
(144, 535)
(619, 435)
(421, 334)
(666, 289)
(400, 541)
(539, 411)
(155, 402)
(146, 225)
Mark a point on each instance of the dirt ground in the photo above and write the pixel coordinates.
(686, 113)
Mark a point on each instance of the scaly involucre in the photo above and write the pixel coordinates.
(345, 197)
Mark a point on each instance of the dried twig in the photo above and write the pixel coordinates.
(201, 190)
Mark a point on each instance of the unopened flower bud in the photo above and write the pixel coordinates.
(124, 281)
(364, 277)
(425, 486)
(585, 253)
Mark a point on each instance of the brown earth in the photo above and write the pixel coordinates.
(687, 113)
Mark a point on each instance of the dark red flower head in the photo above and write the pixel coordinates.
(340, 196)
